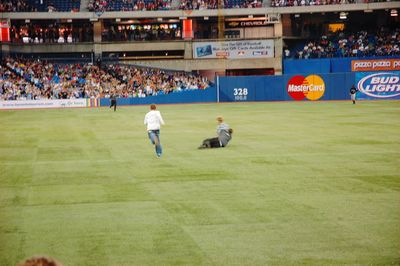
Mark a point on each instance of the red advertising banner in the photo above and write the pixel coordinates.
(4, 31)
(375, 65)
(187, 29)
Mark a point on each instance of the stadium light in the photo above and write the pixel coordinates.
(393, 13)
(343, 15)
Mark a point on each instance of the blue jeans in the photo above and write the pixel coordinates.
(154, 136)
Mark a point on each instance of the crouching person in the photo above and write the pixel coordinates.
(224, 135)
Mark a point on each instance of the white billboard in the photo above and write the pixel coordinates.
(234, 49)
(31, 104)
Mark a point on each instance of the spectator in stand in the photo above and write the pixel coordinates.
(51, 7)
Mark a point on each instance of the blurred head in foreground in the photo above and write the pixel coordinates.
(40, 261)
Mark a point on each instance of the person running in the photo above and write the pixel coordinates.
(353, 93)
(153, 120)
(224, 133)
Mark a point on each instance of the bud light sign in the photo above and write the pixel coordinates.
(380, 85)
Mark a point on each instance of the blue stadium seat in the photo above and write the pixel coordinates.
(60, 5)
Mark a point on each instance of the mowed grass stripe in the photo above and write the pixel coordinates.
(301, 183)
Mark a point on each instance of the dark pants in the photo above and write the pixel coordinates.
(211, 143)
(113, 103)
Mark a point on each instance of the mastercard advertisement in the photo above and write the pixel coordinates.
(311, 87)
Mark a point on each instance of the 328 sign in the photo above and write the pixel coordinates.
(240, 94)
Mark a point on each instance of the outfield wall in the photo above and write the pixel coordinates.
(278, 88)
(188, 96)
(372, 85)
(275, 88)
(37, 104)
(325, 65)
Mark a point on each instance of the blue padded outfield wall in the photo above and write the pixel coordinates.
(334, 86)
(188, 96)
(274, 88)
(307, 66)
(324, 65)
(379, 85)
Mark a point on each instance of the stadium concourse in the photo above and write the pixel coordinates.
(33, 80)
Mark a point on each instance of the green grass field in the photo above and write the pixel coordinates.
(305, 183)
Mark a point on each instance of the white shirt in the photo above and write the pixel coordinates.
(153, 120)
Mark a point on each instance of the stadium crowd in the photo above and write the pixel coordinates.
(142, 5)
(213, 4)
(148, 81)
(32, 80)
(39, 5)
(342, 44)
(285, 3)
(15, 6)
(128, 5)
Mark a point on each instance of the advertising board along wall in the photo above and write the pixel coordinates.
(377, 78)
(34, 104)
(312, 87)
(234, 49)
(378, 85)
